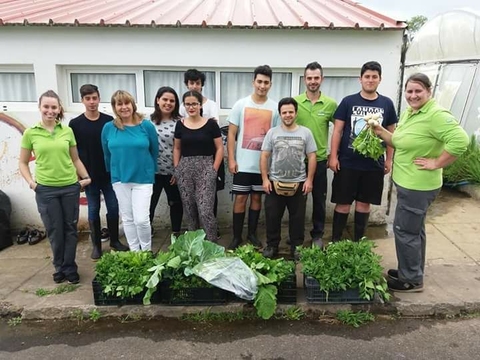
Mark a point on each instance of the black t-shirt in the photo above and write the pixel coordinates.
(88, 135)
(198, 142)
(352, 110)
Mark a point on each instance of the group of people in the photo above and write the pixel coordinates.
(277, 149)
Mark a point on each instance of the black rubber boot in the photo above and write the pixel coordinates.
(237, 240)
(95, 235)
(361, 222)
(112, 224)
(253, 216)
(339, 223)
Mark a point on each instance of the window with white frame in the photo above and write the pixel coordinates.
(107, 84)
(336, 87)
(237, 85)
(17, 87)
(154, 79)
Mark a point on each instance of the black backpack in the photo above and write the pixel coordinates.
(5, 212)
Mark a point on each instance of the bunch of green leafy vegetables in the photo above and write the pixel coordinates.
(184, 253)
(466, 167)
(346, 265)
(124, 274)
(368, 144)
(270, 273)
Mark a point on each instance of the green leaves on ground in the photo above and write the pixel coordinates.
(368, 144)
(266, 301)
(346, 265)
(353, 318)
(124, 274)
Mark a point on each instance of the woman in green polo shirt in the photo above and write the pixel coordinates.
(56, 185)
(427, 139)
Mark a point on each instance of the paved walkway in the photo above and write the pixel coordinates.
(451, 283)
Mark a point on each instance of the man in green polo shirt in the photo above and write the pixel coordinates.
(315, 111)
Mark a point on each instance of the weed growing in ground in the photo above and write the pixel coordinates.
(293, 313)
(15, 321)
(64, 288)
(129, 318)
(94, 315)
(353, 318)
(78, 315)
(208, 316)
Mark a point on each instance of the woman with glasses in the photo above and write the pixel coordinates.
(197, 154)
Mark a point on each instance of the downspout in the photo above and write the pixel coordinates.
(403, 55)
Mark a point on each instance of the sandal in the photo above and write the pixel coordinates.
(36, 236)
(22, 237)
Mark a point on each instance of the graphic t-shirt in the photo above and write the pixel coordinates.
(352, 110)
(165, 132)
(289, 149)
(253, 121)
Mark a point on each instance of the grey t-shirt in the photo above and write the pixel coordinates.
(289, 149)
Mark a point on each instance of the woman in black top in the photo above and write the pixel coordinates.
(197, 154)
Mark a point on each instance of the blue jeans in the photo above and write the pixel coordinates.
(93, 198)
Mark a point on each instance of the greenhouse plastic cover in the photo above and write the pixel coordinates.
(451, 36)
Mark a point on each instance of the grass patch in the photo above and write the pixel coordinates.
(15, 321)
(62, 289)
(292, 313)
(208, 316)
(355, 319)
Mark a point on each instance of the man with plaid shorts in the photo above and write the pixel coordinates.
(250, 119)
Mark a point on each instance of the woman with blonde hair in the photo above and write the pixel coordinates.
(56, 184)
(130, 148)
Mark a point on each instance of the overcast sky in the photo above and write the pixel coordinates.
(405, 9)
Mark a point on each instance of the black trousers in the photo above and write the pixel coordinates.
(319, 196)
(274, 209)
(173, 198)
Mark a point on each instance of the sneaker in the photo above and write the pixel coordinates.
(393, 274)
(270, 251)
(36, 236)
(73, 278)
(317, 241)
(22, 237)
(104, 234)
(59, 277)
(295, 255)
(400, 286)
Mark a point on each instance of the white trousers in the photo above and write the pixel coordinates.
(134, 205)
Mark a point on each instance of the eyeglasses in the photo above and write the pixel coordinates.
(191, 105)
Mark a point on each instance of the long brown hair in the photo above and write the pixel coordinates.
(54, 95)
(124, 97)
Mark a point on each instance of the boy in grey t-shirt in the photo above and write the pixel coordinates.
(287, 145)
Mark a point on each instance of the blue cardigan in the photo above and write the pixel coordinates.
(131, 154)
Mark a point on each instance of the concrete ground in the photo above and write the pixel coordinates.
(451, 282)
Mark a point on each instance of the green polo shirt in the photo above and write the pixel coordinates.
(426, 133)
(53, 164)
(317, 117)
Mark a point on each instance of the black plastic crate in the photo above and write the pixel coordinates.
(192, 296)
(287, 290)
(315, 295)
(102, 299)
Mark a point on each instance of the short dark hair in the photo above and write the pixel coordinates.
(263, 70)
(313, 66)
(287, 101)
(373, 66)
(193, 75)
(88, 89)
(421, 79)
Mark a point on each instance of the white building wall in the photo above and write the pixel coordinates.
(51, 51)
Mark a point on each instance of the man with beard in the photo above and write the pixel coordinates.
(358, 178)
(315, 111)
(285, 182)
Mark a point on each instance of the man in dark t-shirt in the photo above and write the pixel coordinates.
(359, 178)
(88, 130)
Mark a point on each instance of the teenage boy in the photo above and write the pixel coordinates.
(315, 112)
(358, 178)
(87, 129)
(285, 181)
(250, 119)
(194, 80)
